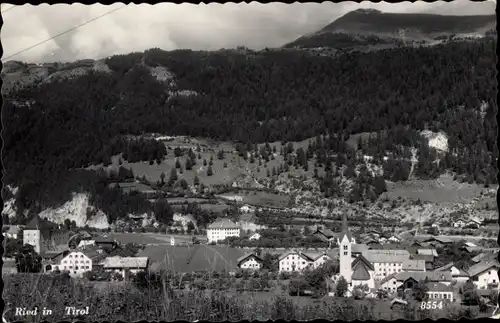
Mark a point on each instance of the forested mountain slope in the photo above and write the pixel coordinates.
(370, 27)
(55, 126)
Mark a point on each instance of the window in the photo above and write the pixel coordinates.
(76, 267)
(345, 253)
(70, 267)
(345, 247)
(436, 295)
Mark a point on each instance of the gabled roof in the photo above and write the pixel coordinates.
(360, 272)
(359, 248)
(361, 260)
(387, 278)
(126, 262)
(326, 232)
(432, 276)
(192, 258)
(443, 240)
(248, 255)
(431, 252)
(412, 264)
(387, 256)
(426, 258)
(445, 267)
(37, 223)
(223, 223)
(482, 267)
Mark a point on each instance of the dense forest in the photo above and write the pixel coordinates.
(255, 97)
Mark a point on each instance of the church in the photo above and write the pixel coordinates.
(356, 270)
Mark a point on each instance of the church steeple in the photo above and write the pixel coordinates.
(345, 229)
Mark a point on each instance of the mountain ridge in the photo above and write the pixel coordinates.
(370, 26)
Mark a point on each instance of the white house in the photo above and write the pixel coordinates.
(387, 262)
(221, 229)
(293, 261)
(458, 275)
(125, 265)
(255, 236)
(76, 263)
(459, 224)
(85, 243)
(250, 261)
(484, 274)
(439, 291)
(247, 209)
(408, 279)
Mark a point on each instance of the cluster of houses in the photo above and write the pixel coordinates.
(377, 261)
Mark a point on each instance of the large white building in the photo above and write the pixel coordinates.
(221, 229)
(484, 274)
(76, 263)
(44, 235)
(387, 262)
(458, 275)
(298, 261)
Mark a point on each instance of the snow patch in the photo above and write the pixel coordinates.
(76, 210)
(436, 140)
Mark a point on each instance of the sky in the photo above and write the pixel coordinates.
(178, 26)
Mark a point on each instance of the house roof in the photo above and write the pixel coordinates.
(125, 262)
(439, 239)
(484, 256)
(248, 255)
(432, 276)
(359, 248)
(445, 267)
(133, 187)
(431, 252)
(438, 287)
(482, 267)
(388, 246)
(361, 260)
(426, 258)
(223, 223)
(192, 258)
(326, 232)
(387, 256)
(37, 223)
(360, 272)
(413, 264)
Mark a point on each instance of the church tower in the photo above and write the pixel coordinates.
(172, 241)
(345, 254)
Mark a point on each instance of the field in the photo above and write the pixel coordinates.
(127, 302)
(442, 190)
(259, 198)
(149, 238)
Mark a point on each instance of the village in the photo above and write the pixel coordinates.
(352, 264)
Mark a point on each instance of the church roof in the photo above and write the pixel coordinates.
(360, 272)
(361, 260)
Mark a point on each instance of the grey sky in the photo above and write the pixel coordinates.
(172, 26)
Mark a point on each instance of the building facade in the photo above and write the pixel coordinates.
(221, 229)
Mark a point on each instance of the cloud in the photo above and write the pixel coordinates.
(172, 26)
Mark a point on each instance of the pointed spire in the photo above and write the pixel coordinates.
(345, 228)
